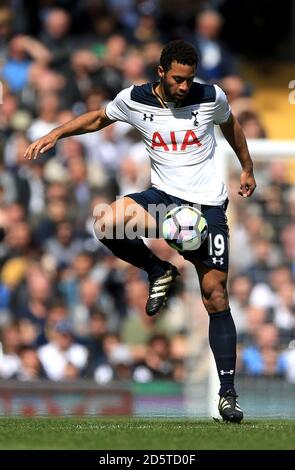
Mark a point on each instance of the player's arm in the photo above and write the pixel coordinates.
(87, 122)
(234, 134)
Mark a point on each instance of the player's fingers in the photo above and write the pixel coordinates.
(47, 147)
(251, 190)
(243, 190)
(29, 152)
(37, 150)
(247, 190)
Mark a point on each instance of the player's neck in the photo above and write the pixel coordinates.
(159, 90)
(160, 94)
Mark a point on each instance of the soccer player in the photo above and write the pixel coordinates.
(176, 118)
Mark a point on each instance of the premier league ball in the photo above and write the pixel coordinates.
(185, 228)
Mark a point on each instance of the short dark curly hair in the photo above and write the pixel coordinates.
(178, 51)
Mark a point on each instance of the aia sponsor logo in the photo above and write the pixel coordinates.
(169, 142)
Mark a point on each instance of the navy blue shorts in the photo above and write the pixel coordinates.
(214, 250)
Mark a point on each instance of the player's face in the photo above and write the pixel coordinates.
(177, 81)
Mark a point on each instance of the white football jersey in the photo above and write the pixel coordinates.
(180, 140)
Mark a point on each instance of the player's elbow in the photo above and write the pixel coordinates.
(100, 120)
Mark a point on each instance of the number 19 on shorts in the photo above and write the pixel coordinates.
(216, 248)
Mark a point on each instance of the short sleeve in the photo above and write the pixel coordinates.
(222, 109)
(117, 110)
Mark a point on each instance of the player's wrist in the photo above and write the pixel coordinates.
(248, 168)
(56, 133)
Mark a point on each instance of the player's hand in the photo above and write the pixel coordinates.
(41, 145)
(248, 183)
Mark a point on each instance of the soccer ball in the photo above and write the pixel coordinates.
(185, 228)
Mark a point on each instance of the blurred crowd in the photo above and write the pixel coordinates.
(68, 308)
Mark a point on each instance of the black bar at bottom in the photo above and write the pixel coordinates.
(135, 458)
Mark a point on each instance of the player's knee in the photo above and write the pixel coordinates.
(215, 298)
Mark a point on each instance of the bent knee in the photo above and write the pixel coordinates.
(215, 299)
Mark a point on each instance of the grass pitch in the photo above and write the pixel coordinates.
(144, 434)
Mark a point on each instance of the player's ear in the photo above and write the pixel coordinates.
(160, 71)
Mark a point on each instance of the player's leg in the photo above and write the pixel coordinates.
(109, 228)
(222, 331)
(115, 220)
(222, 337)
(211, 262)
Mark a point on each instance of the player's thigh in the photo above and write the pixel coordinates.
(154, 204)
(136, 217)
(121, 212)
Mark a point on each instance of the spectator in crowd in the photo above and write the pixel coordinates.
(89, 293)
(62, 358)
(265, 258)
(63, 246)
(30, 367)
(251, 125)
(22, 51)
(98, 329)
(287, 362)
(262, 357)
(6, 30)
(157, 363)
(10, 344)
(55, 36)
(255, 318)
(240, 289)
(216, 61)
(33, 306)
(117, 362)
(47, 120)
(9, 109)
(70, 282)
